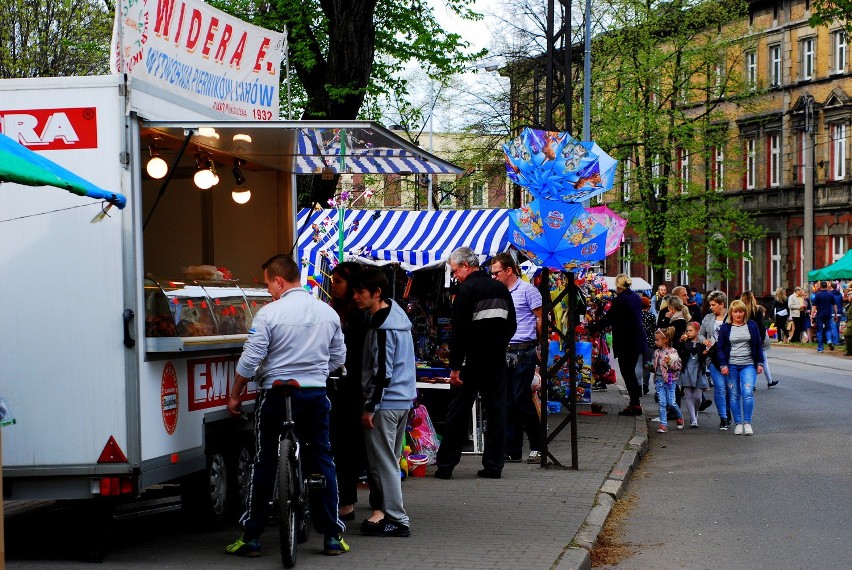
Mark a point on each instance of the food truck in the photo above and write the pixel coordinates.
(121, 337)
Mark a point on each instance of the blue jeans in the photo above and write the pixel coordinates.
(310, 413)
(740, 380)
(721, 393)
(823, 332)
(666, 395)
(521, 415)
(833, 332)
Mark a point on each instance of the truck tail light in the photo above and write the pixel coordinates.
(115, 486)
(112, 453)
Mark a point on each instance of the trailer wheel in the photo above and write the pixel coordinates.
(243, 457)
(205, 495)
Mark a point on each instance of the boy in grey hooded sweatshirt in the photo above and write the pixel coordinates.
(389, 382)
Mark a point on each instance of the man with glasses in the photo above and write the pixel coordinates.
(483, 324)
(521, 359)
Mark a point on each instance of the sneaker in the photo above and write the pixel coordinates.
(371, 528)
(747, 430)
(663, 429)
(393, 528)
(772, 383)
(831, 346)
(723, 425)
(513, 458)
(334, 545)
(242, 547)
(704, 405)
(819, 350)
(534, 457)
(738, 430)
(679, 423)
(693, 425)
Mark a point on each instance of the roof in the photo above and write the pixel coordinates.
(841, 269)
(413, 239)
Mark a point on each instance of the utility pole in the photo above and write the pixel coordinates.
(808, 241)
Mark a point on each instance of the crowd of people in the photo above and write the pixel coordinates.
(688, 342)
(354, 423)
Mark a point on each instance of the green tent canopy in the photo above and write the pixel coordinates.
(841, 269)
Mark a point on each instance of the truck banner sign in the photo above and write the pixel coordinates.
(200, 53)
(211, 380)
(52, 129)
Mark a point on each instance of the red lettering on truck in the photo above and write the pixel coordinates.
(52, 129)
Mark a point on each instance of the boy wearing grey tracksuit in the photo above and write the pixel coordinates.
(389, 386)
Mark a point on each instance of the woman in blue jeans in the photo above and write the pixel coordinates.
(707, 335)
(739, 350)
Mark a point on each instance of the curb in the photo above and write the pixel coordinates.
(576, 555)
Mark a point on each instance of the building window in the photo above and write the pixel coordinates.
(806, 50)
(624, 254)
(445, 193)
(774, 263)
(683, 170)
(719, 79)
(393, 191)
(746, 272)
(750, 163)
(751, 69)
(477, 194)
(800, 247)
(838, 248)
(718, 170)
(838, 151)
(773, 146)
(801, 146)
(840, 52)
(625, 179)
(683, 262)
(775, 65)
(599, 198)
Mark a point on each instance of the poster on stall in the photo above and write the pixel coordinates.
(583, 364)
(192, 50)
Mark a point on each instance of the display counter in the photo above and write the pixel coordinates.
(183, 316)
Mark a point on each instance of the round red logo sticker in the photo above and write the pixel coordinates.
(169, 398)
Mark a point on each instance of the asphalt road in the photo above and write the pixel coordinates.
(705, 498)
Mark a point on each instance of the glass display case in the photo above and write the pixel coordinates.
(195, 315)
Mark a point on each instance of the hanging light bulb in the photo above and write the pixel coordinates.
(156, 167)
(205, 177)
(240, 195)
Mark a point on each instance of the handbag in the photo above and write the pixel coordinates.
(790, 326)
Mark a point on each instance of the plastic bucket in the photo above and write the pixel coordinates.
(417, 465)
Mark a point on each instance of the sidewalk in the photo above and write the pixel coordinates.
(531, 518)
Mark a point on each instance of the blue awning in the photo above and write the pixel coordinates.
(412, 239)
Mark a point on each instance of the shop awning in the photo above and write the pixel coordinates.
(412, 239)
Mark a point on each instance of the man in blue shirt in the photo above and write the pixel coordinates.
(824, 311)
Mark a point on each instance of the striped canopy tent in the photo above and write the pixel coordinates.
(415, 240)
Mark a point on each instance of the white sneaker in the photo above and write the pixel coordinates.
(738, 430)
(747, 430)
(534, 457)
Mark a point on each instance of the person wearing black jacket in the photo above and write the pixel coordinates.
(483, 324)
(628, 338)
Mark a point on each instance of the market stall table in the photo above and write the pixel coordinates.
(424, 373)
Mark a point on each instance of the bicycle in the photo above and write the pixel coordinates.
(292, 488)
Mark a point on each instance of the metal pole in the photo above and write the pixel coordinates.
(587, 75)
(544, 289)
(808, 241)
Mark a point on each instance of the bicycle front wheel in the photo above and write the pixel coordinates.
(287, 500)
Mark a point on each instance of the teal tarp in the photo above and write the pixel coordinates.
(841, 269)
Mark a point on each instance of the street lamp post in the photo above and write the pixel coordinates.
(808, 241)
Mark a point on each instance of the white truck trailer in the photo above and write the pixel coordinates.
(116, 359)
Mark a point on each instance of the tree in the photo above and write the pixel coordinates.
(40, 38)
(824, 12)
(667, 84)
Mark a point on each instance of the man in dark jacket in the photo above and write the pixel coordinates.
(628, 338)
(483, 325)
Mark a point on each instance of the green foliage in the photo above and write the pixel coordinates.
(666, 76)
(826, 12)
(43, 38)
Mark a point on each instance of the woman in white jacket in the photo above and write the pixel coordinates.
(796, 303)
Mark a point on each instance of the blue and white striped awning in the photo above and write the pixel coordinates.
(412, 239)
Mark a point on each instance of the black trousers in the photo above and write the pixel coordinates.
(627, 366)
(486, 377)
